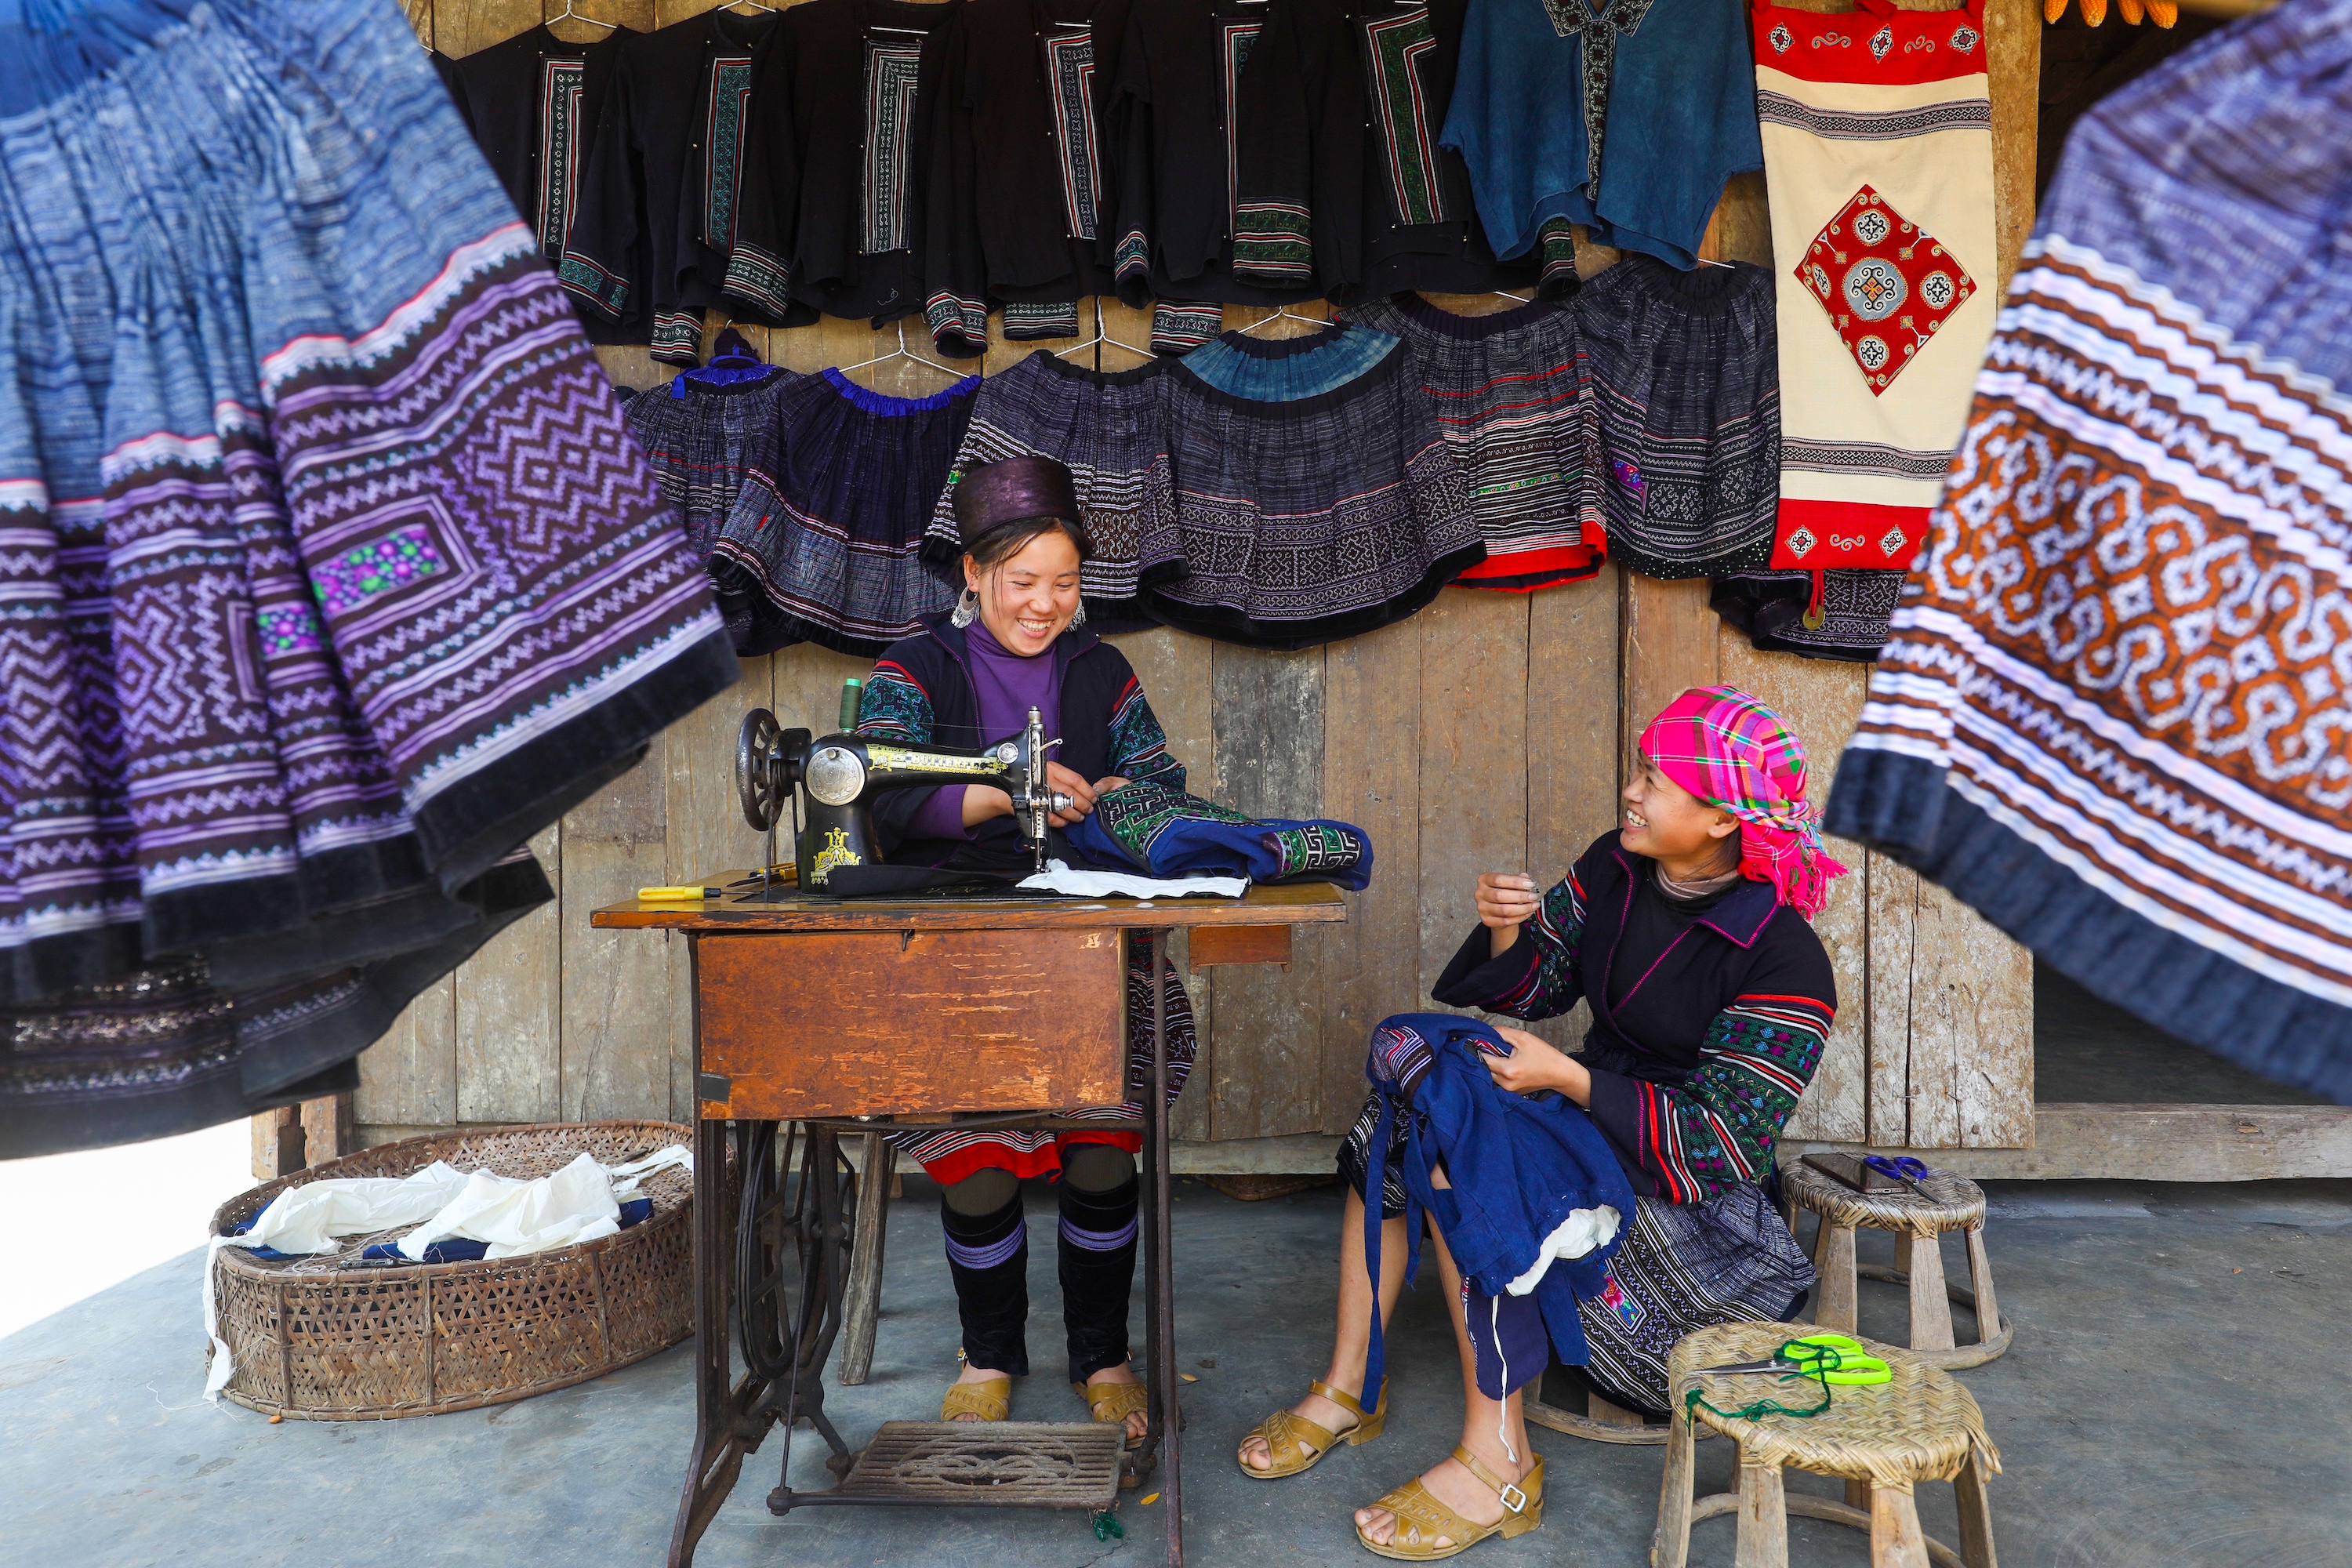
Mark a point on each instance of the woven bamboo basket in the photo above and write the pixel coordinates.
(370, 1344)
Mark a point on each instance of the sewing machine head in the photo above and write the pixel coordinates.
(832, 781)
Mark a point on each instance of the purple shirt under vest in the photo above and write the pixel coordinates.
(1007, 685)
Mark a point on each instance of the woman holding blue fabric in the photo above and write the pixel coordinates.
(1015, 640)
(1688, 932)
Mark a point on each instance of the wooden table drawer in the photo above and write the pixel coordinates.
(863, 1023)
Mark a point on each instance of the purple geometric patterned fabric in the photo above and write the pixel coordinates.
(328, 570)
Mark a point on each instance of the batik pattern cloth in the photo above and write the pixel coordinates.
(699, 440)
(333, 574)
(1686, 406)
(951, 1155)
(1513, 393)
(1835, 615)
(1877, 130)
(1108, 429)
(1159, 830)
(1315, 497)
(2112, 716)
(825, 542)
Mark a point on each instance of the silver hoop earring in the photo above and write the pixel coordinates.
(1078, 617)
(966, 611)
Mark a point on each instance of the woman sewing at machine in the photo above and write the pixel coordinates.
(1015, 640)
(1688, 931)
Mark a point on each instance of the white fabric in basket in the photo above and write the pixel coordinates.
(579, 1203)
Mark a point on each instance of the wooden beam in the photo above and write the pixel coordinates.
(2156, 1143)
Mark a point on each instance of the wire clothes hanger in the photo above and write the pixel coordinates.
(569, 14)
(1101, 337)
(902, 352)
(1285, 313)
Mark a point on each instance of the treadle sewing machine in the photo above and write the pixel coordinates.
(820, 1020)
(841, 774)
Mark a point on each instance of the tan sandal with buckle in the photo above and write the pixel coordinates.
(1420, 1517)
(990, 1399)
(1114, 1402)
(1295, 1444)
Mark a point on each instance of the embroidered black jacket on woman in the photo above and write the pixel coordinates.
(533, 103)
(1340, 170)
(1019, 207)
(1700, 1050)
(921, 693)
(834, 173)
(659, 208)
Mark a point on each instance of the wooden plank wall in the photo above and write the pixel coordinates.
(1485, 734)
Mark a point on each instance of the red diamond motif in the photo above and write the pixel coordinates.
(1884, 283)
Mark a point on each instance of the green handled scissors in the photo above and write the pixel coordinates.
(1825, 1358)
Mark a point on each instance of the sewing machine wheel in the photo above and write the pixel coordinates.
(759, 769)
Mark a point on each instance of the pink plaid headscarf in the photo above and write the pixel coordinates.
(1735, 753)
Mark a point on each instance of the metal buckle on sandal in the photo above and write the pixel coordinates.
(1513, 1499)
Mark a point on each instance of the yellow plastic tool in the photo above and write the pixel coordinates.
(675, 895)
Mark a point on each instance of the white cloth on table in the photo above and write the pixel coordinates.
(1058, 877)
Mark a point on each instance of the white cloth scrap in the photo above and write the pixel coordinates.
(1057, 878)
(579, 1203)
(1580, 1233)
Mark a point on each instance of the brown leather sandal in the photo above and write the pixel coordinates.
(991, 1399)
(1420, 1517)
(1297, 1444)
(1113, 1403)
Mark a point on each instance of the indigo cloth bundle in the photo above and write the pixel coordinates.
(1167, 833)
(1537, 1202)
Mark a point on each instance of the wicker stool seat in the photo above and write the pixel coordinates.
(1954, 1202)
(1881, 1440)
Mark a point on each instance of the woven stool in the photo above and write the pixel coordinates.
(1955, 1204)
(1921, 1426)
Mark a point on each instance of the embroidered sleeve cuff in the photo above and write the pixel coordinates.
(1131, 262)
(1399, 1055)
(959, 326)
(1476, 978)
(1271, 245)
(606, 292)
(758, 279)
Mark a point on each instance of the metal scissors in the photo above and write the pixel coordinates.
(1825, 1358)
(1904, 1169)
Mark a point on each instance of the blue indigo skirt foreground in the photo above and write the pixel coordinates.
(329, 572)
(2113, 715)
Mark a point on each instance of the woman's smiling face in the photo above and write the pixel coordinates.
(1665, 822)
(1027, 599)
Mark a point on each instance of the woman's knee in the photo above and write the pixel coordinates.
(982, 1193)
(1096, 1168)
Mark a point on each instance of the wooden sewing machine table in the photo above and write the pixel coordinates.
(821, 1017)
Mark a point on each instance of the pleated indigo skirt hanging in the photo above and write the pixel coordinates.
(1686, 385)
(825, 544)
(332, 571)
(1108, 429)
(1315, 496)
(1514, 398)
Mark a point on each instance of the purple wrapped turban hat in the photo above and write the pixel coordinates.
(1016, 489)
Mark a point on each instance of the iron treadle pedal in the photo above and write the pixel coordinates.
(991, 1464)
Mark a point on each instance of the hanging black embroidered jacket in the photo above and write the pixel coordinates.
(1176, 126)
(1018, 204)
(834, 172)
(533, 103)
(1341, 176)
(658, 208)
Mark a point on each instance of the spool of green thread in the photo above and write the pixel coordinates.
(852, 692)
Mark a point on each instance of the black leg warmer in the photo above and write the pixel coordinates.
(1097, 1258)
(988, 1255)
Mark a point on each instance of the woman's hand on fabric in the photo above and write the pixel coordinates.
(1505, 900)
(1536, 1063)
(1108, 783)
(1062, 780)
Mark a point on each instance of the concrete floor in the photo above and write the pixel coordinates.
(2178, 1394)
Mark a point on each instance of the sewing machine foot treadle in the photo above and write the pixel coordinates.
(988, 1464)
